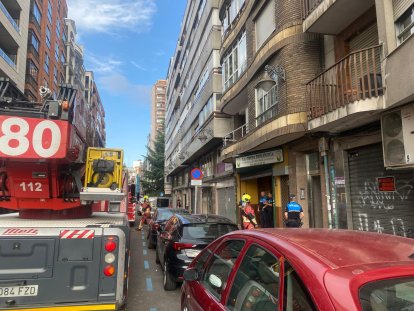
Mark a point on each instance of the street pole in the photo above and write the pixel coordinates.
(195, 199)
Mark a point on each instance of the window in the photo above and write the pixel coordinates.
(295, 294)
(64, 37)
(405, 25)
(62, 57)
(219, 267)
(34, 41)
(266, 104)
(46, 65)
(49, 12)
(201, 260)
(256, 285)
(58, 29)
(48, 35)
(55, 75)
(32, 70)
(265, 24)
(231, 12)
(57, 52)
(235, 62)
(36, 13)
(206, 111)
(392, 294)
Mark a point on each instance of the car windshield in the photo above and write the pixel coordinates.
(391, 294)
(207, 231)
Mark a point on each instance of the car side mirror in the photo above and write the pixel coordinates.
(190, 275)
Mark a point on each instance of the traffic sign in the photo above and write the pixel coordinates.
(196, 182)
(196, 174)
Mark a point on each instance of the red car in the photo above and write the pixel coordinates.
(302, 270)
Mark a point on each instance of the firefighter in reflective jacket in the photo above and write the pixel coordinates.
(293, 213)
(249, 219)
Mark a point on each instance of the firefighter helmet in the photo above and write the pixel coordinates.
(145, 197)
(246, 197)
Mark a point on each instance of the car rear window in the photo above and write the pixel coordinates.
(206, 231)
(164, 214)
(391, 294)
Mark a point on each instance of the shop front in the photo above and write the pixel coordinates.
(255, 175)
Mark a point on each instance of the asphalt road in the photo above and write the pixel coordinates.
(146, 292)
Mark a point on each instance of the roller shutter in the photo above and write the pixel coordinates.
(400, 6)
(373, 210)
(366, 39)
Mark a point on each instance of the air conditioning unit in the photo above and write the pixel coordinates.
(398, 137)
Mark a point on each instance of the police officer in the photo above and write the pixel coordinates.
(293, 213)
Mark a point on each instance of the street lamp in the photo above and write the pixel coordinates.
(205, 134)
(274, 73)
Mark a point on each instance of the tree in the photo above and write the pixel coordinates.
(153, 175)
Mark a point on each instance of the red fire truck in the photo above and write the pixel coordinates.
(57, 253)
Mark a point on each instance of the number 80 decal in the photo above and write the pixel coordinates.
(32, 138)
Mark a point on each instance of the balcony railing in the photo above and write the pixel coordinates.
(267, 115)
(235, 135)
(9, 17)
(309, 5)
(356, 77)
(7, 59)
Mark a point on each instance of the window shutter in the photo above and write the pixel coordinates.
(400, 6)
(265, 24)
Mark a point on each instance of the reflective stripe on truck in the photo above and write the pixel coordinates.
(71, 308)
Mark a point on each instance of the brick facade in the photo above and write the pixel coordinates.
(38, 57)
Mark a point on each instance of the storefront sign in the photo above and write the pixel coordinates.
(386, 184)
(340, 182)
(269, 157)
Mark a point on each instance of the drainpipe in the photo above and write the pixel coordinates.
(323, 148)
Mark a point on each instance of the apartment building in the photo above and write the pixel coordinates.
(158, 94)
(96, 132)
(309, 84)
(46, 54)
(266, 61)
(361, 106)
(14, 20)
(194, 126)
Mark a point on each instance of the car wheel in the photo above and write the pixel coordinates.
(157, 258)
(150, 244)
(169, 283)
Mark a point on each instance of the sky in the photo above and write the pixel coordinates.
(128, 45)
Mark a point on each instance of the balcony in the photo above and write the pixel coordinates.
(235, 135)
(355, 79)
(11, 19)
(332, 16)
(7, 59)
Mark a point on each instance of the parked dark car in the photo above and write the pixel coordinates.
(302, 270)
(158, 220)
(183, 238)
